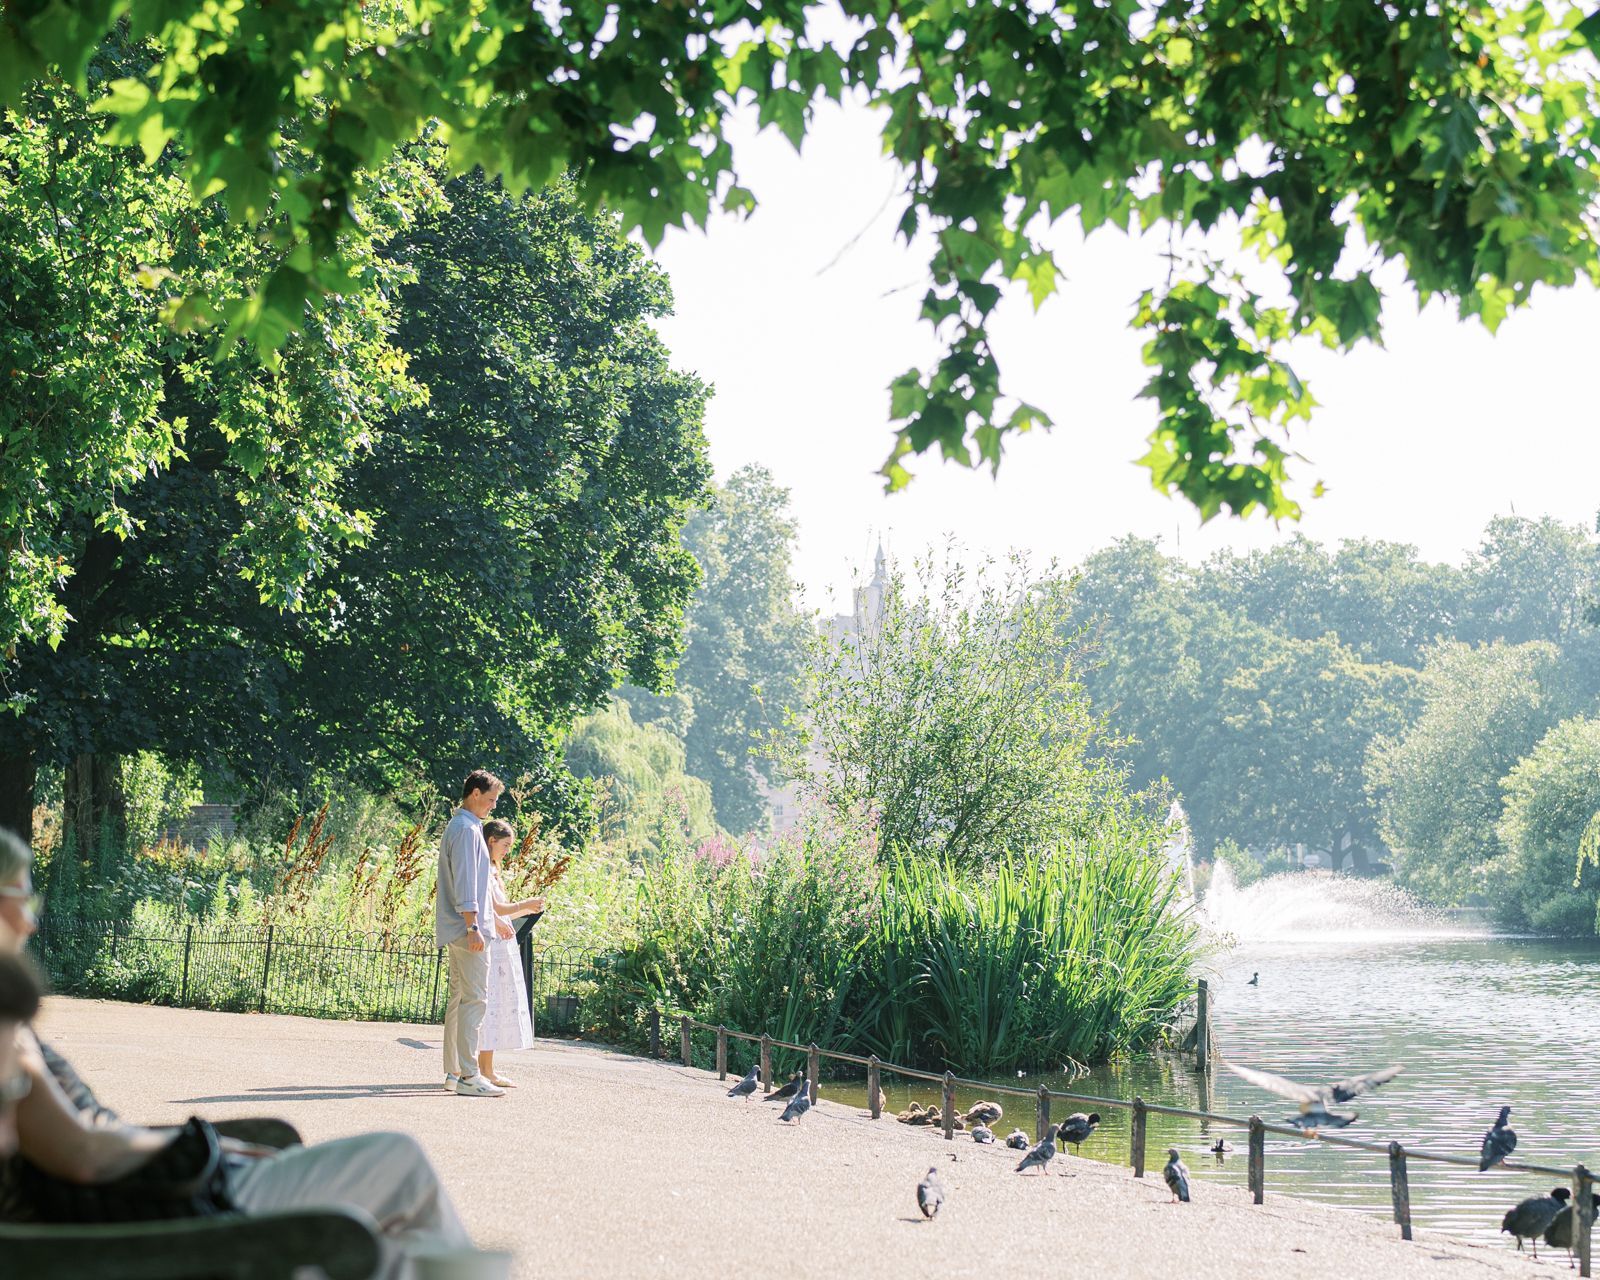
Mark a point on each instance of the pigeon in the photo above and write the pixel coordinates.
(748, 1085)
(1559, 1234)
(1255, 980)
(930, 1194)
(1177, 1175)
(1314, 1098)
(1534, 1216)
(1017, 1140)
(798, 1106)
(1076, 1128)
(1041, 1156)
(984, 1113)
(1498, 1143)
(796, 1083)
(982, 1133)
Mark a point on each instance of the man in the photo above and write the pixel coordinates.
(463, 914)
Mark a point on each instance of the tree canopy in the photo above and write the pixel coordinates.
(103, 258)
(521, 554)
(1258, 683)
(1453, 138)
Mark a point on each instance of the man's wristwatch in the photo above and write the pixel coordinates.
(472, 928)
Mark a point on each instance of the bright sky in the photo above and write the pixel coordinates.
(1422, 441)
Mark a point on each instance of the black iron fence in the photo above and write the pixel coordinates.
(286, 969)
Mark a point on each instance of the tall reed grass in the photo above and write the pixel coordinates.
(1082, 953)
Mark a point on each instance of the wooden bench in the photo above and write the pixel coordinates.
(232, 1246)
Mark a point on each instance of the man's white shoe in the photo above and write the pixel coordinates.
(478, 1087)
(450, 1082)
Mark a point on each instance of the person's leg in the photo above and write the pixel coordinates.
(486, 1063)
(387, 1174)
(474, 967)
(452, 1014)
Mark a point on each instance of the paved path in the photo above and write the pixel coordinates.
(607, 1165)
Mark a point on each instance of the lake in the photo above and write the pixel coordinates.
(1354, 976)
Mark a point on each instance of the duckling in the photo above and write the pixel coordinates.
(983, 1134)
(1532, 1217)
(1559, 1236)
(1017, 1140)
(1077, 1127)
(913, 1115)
(985, 1113)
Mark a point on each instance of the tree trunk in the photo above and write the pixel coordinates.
(92, 798)
(17, 774)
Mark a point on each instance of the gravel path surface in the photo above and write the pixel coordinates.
(603, 1164)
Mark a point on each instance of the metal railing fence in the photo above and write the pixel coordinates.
(285, 969)
(1582, 1181)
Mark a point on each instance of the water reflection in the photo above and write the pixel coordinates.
(1478, 1021)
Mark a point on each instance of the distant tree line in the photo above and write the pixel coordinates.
(1364, 697)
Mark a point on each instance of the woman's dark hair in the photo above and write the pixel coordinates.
(480, 780)
(19, 991)
(495, 829)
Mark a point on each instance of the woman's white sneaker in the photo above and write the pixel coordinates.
(478, 1087)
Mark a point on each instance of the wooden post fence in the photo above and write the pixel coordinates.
(1583, 1182)
(1202, 1026)
(1258, 1159)
(1583, 1218)
(1400, 1189)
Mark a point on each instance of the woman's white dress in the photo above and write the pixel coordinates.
(507, 1024)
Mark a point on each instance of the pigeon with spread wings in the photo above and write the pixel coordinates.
(1314, 1098)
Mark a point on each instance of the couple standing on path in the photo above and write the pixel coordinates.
(488, 1005)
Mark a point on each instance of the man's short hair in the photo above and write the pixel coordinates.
(480, 780)
(498, 829)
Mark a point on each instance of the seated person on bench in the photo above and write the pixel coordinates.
(63, 1131)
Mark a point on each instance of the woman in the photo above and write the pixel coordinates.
(508, 1023)
(64, 1133)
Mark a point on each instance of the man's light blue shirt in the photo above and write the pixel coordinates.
(464, 870)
